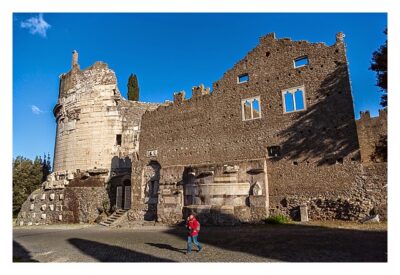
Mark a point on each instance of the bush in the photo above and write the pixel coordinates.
(278, 219)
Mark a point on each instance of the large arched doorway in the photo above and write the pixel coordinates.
(150, 189)
(123, 195)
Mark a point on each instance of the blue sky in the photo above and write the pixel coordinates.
(168, 52)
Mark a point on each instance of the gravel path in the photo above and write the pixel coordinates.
(266, 243)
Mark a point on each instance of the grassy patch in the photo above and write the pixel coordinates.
(278, 219)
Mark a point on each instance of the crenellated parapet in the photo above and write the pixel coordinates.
(372, 131)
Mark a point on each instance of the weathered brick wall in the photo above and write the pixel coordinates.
(209, 128)
(84, 204)
(81, 201)
(363, 194)
(319, 146)
(370, 131)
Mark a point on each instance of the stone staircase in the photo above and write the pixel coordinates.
(113, 217)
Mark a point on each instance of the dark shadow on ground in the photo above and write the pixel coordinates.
(21, 254)
(110, 253)
(296, 243)
(167, 246)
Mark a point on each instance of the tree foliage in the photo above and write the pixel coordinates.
(27, 177)
(379, 65)
(380, 153)
(133, 88)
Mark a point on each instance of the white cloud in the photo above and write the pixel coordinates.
(36, 25)
(36, 110)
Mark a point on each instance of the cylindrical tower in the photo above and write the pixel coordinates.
(89, 126)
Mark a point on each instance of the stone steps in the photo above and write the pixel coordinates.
(113, 218)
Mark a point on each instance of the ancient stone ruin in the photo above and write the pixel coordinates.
(275, 135)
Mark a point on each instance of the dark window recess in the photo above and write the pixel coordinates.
(301, 61)
(243, 78)
(119, 139)
(274, 151)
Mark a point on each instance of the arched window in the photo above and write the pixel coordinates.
(251, 108)
(256, 108)
(293, 100)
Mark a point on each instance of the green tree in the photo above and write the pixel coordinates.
(133, 88)
(27, 177)
(380, 153)
(379, 65)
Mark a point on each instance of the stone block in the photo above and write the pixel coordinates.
(51, 206)
(70, 176)
(60, 217)
(61, 196)
(33, 197)
(52, 196)
(231, 169)
(43, 197)
(30, 223)
(32, 207)
(43, 216)
(21, 223)
(239, 201)
(303, 213)
(227, 209)
(257, 201)
(170, 200)
(217, 201)
(34, 215)
(43, 207)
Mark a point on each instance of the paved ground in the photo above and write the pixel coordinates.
(265, 243)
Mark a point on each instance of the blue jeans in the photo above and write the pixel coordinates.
(189, 243)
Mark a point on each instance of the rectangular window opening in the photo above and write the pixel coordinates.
(274, 151)
(119, 139)
(243, 78)
(301, 61)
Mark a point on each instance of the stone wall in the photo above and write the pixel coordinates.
(42, 207)
(81, 201)
(365, 194)
(84, 204)
(370, 132)
(210, 129)
(316, 149)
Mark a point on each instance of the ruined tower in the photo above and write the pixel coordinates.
(89, 114)
(97, 136)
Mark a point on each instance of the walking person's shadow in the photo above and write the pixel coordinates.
(167, 246)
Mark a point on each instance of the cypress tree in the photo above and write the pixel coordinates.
(379, 65)
(133, 88)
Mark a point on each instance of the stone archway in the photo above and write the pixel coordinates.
(151, 179)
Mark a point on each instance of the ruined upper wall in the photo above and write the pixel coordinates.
(96, 126)
(210, 128)
(371, 130)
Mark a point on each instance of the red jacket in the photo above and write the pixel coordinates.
(192, 226)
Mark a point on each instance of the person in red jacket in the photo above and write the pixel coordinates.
(193, 227)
